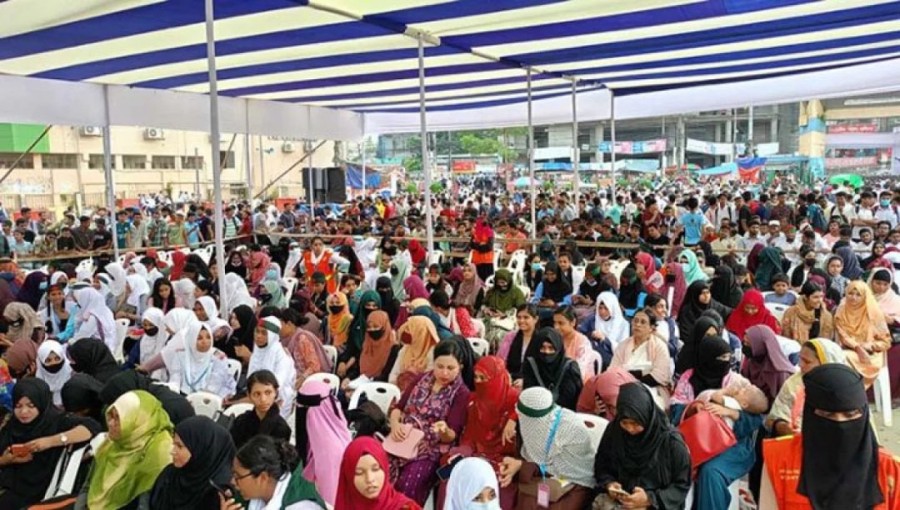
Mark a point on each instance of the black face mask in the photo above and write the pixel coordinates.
(394, 271)
(809, 262)
(670, 278)
(376, 334)
(747, 350)
(549, 358)
(53, 368)
(151, 331)
(265, 298)
(335, 309)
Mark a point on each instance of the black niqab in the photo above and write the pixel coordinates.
(92, 357)
(724, 287)
(710, 370)
(550, 366)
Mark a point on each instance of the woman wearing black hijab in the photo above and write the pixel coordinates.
(630, 289)
(40, 427)
(724, 287)
(243, 325)
(698, 299)
(554, 288)
(837, 454)
(202, 452)
(546, 365)
(687, 356)
(175, 405)
(389, 303)
(467, 370)
(81, 396)
(92, 357)
(653, 457)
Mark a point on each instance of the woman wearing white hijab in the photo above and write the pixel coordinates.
(154, 338)
(176, 323)
(117, 278)
(208, 313)
(96, 319)
(53, 368)
(138, 290)
(236, 294)
(473, 486)
(269, 354)
(200, 366)
(613, 327)
(184, 292)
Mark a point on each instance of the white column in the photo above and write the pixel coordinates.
(531, 160)
(612, 139)
(423, 134)
(216, 135)
(247, 150)
(576, 157)
(750, 126)
(108, 173)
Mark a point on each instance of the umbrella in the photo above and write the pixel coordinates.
(524, 182)
(855, 180)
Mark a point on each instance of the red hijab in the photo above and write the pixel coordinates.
(491, 406)
(675, 281)
(646, 260)
(179, 259)
(606, 386)
(348, 498)
(739, 320)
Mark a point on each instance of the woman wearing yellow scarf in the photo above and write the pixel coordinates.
(138, 447)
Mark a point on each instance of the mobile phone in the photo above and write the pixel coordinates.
(224, 491)
(618, 492)
(20, 450)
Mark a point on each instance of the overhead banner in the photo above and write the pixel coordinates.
(711, 148)
(644, 147)
(750, 168)
(463, 166)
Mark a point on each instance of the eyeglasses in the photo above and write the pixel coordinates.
(238, 478)
(640, 321)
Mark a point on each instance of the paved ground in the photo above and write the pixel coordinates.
(889, 437)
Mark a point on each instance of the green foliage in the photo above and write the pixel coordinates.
(413, 164)
(437, 187)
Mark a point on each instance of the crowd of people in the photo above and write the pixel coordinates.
(648, 349)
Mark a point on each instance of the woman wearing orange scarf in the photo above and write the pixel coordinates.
(339, 319)
(862, 331)
(418, 337)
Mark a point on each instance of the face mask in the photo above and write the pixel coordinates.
(271, 274)
(151, 331)
(535, 267)
(685, 267)
(53, 368)
(490, 505)
(394, 271)
(670, 278)
(747, 350)
(43, 286)
(335, 309)
(376, 334)
(549, 358)
(885, 203)
(265, 298)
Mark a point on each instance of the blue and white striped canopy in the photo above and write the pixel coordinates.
(359, 56)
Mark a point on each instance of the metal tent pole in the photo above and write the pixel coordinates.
(362, 150)
(575, 149)
(750, 129)
(311, 192)
(423, 134)
(108, 173)
(531, 184)
(247, 150)
(612, 138)
(216, 137)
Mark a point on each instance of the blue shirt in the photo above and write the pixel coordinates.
(693, 227)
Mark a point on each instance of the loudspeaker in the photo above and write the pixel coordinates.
(335, 185)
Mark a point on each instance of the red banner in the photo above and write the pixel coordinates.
(463, 166)
(749, 175)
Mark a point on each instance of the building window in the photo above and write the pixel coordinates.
(59, 160)
(134, 162)
(7, 160)
(192, 162)
(228, 159)
(541, 138)
(163, 162)
(95, 162)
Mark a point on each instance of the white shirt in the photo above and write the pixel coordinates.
(888, 214)
(862, 214)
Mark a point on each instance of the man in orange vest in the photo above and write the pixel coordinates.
(324, 261)
(835, 463)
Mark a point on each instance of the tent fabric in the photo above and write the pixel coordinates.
(357, 58)
(354, 177)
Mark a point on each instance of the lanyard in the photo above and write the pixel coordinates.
(543, 466)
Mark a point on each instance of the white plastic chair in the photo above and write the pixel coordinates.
(205, 403)
(777, 310)
(882, 391)
(63, 481)
(234, 368)
(121, 332)
(237, 409)
(332, 353)
(481, 346)
(327, 378)
(595, 425)
(516, 265)
(498, 252)
(617, 266)
(382, 394)
(85, 265)
(290, 286)
(577, 276)
(174, 386)
(435, 257)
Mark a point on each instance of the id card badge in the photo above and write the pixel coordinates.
(543, 495)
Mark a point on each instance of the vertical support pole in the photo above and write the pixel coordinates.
(311, 192)
(247, 150)
(423, 134)
(216, 136)
(734, 121)
(262, 162)
(362, 151)
(531, 184)
(576, 152)
(612, 140)
(662, 155)
(108, 173)
(750, 129)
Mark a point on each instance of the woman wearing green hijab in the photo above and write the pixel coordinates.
(691, 267)
(399, 273)
(272, 289)
(368, 302)
(769, 265)
(138, 447)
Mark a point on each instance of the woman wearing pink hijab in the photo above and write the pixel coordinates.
(600, 393)
(646, 270)
(322, 437)
(259, 264)
(674, 285)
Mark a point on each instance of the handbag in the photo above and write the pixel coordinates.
(409, 447)
(705, 434)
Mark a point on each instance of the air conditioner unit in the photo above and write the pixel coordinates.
(287, 147)
(154, 134)
(91, 131)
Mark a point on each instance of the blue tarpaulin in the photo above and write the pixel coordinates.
(354, 177)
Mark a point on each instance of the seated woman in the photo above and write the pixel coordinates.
(646, 357)
(379, 351)
(785, 417)
(503, 297)
(175, 405)
(515, 344)
(162, 296)
(136, 295)
(554, 290)
(302, 346)
(434, 280)
(53, 368)
(23, 324)
(339, 319)
(208, 313)
(862, 331)
(56, 316)
(322, 436)
(710, 381)
(138, 447)
(418, 338)
(601, 392)
(765, 366)
(368, 303)
(41, 432)
(269, 354)
(95, 319)
(642, 461)
(265, 417)
(837, 434)
(269, 474)
(200, 366)
(470, 292)
(365, 479)
(81, 397)
(473, 484)
(808, 318)
(92, 357)
(751, 311)
(555, 439)
(456, 319)
(243, 324)
(607, 328)
(436, 404)
(698, 299)
(202, 454)
(547, 366)
(577, 346)
(666, 326)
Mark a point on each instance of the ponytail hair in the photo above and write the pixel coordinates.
(265, 454)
